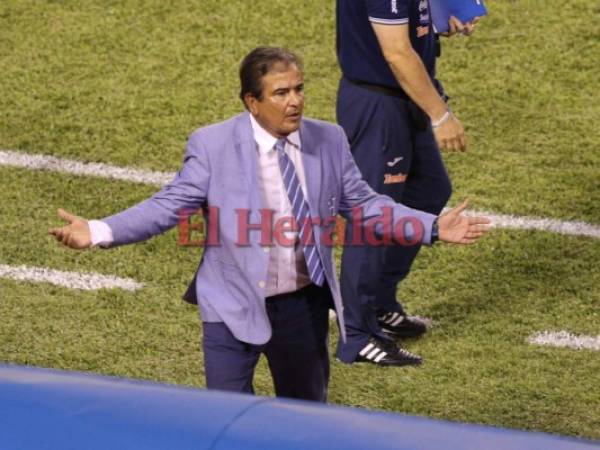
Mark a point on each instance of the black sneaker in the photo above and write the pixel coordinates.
(387, 354)
(398, 325)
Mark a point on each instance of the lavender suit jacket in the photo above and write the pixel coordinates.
(220, 170)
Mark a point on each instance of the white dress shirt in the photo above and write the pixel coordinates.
(287, 270)
(287, 267)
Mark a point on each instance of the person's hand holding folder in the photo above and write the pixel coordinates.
(456, 16)
(456, 26)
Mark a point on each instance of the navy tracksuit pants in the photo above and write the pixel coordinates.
(397, 159)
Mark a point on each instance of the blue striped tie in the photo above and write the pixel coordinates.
(301, 214)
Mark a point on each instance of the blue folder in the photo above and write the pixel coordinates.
(463, 10)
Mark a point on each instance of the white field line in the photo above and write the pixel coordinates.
(46, 162)
(566, 340)
(99, 170)
(72, 280)
(573, 228)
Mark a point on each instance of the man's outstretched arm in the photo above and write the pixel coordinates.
(453, 226)
(187, 191)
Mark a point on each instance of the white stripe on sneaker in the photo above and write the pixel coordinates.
(365, 350)
(392, 317)
(398, 321)
(373, 353)
(380, 357)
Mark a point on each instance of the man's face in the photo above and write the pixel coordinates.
(279, 111)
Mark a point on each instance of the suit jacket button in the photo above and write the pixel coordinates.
(261, 284)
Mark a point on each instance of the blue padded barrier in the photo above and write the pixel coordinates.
(47, 409)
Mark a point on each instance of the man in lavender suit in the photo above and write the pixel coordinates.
(268, 163)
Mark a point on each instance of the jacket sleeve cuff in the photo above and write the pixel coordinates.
(427, 221)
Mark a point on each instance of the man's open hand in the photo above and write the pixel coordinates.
(458, 229)
(76, 234)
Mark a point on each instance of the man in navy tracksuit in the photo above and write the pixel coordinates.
(394, 113)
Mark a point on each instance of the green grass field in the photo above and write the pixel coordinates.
(125, 82)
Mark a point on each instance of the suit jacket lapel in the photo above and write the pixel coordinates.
(245, 147)
(311, 160)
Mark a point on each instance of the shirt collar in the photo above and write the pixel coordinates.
(266, 141)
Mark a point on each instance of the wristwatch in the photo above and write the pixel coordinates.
(435, 231)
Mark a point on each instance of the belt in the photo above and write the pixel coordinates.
(302, 291)
(385, 90)
(419, 119)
